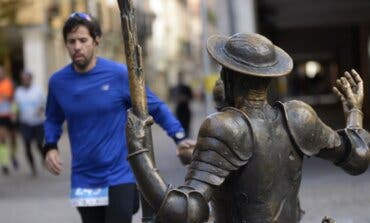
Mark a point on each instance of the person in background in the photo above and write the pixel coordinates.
(30, 100)
(13, 130)
(6, 94)
(183, 94)
(92, 95)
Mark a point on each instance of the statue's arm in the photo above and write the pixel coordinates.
(185, 204)
(348, 147)
(188, 203)
(148, 179)
(353, 153)
(213, 160)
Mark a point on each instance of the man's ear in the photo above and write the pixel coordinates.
(97, 40)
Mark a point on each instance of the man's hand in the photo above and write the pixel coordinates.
(350, 90)
(185, 150)
(53, 162)
(135, 131)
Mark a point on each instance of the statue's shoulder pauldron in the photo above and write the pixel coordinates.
(224, 144)
(306, 129)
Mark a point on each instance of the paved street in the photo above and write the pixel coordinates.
(326, 190)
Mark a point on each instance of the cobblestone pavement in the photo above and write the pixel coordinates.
(325, 191)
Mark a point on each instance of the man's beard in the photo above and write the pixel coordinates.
(82, 64)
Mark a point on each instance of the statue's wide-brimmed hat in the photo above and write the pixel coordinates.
(250, 54)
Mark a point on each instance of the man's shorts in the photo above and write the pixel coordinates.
(6, 122)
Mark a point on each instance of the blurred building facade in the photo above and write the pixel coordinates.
(169, 31)
(173, 34)
(174, 45)
(324, 38)
(32, 38)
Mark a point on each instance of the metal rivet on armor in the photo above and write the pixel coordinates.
(243, 198)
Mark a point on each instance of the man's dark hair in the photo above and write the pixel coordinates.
(81, 19)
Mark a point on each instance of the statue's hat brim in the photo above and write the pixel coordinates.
(283, 65)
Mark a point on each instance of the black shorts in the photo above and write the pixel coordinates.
(6, 122)
(123, 203)
(30, 132)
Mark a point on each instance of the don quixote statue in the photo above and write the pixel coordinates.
(247, 161)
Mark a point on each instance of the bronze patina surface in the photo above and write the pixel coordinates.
(248, 158)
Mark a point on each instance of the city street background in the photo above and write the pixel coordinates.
(326, 190)
(323, 39)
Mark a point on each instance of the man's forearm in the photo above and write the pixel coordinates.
(47, 147)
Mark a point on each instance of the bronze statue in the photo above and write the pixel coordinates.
(328, 220)
(248, 156)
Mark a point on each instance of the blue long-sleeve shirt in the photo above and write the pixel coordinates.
(95, 104)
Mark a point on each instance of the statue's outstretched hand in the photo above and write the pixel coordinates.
(135, 131)
(350, 90)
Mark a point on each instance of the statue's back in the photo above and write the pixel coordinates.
(266, 188)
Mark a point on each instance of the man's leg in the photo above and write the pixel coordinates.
(121, 203)
(13, 144)
(26, 132)
(29, 156)
(4, 158)
(92, 214)
(4, 149)
(39, 135)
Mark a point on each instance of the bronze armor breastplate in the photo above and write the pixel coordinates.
(265, 190)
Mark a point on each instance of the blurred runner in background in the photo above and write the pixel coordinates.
(30, 101)
(6, 94)
(182, 94)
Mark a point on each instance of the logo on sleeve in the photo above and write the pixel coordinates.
(105, 87)
(180, 135)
